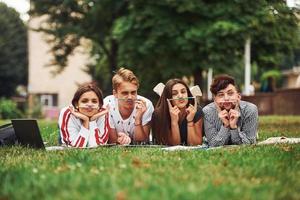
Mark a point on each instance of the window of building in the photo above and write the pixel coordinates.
(48, 100)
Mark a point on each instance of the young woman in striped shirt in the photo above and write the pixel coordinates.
(85, 122)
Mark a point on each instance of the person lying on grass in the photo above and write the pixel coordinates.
(85, 122)
(228, 120)
(177, 120)
(129, 112)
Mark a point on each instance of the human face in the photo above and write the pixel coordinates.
(179, 95)
(227, 98)
(126, 93)
(88, 103)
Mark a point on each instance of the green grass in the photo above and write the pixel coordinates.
(245, 172)
(273, 126)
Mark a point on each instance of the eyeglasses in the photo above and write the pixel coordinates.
(222, 95)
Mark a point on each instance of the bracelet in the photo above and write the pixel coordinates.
(190, 121)
(138, 122)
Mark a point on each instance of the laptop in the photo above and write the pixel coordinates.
(28, 133)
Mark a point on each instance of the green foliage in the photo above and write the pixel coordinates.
(13, 51)
(271, 74)
(36, 112)
(9, 110)
(176, 38)
(166, 39)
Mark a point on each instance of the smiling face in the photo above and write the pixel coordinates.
(126, 93)
(179, 94)
(88, 103)
(227, 98)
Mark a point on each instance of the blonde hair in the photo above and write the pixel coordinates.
(124, 75)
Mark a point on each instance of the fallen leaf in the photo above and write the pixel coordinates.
(121, 195)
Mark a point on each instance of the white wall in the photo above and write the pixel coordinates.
(41, 80)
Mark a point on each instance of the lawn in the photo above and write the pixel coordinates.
(245, 172)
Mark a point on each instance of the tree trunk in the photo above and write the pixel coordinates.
(197, 73)
(112, 60)
(113, 57)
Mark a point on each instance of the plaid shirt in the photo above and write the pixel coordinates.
(218, 135)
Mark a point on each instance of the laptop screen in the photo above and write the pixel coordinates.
(28, 133)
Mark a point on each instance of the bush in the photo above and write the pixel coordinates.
(36, 112)
(8, 109)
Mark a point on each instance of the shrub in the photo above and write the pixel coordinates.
(36, 112)
(8, 109)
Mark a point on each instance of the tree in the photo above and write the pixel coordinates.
(170, 38)
(13, 51)
(185, 37)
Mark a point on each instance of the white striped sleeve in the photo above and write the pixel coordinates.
(100, 130)
(72, 133)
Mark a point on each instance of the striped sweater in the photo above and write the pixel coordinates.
(74, 134)
(218, 135)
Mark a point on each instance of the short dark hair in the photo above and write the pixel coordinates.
(86, 88)
(221, 82)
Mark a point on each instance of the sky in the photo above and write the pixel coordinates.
(22, 6)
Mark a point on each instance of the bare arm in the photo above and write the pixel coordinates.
(175, 134)
(175, 138)
(112, 139)
(141, 133)
(194, 132)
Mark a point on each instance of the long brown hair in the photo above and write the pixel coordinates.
(161, 119)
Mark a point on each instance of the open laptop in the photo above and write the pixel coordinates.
(28, 133)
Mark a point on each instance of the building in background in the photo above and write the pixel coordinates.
(45, 90)
(293, 3)
(291, 78)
